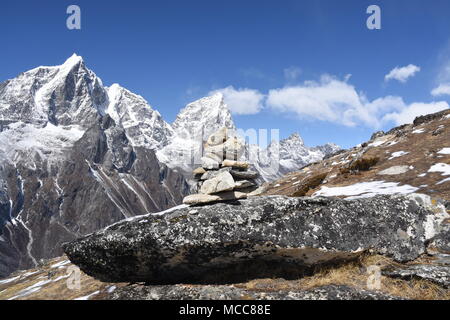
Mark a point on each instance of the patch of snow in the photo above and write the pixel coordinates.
(9, 280)
(25, 293)
(24, 141)
(365, 189)
(392, 143)
(422, 175)
(26, 275)
(60, 264)
(445, 151)
(398, 154)
(111, 289)
(443, 181)
(441, 167)
(418, 131)
(36, 287)
(88, 296)
(181, 206)
(377, 143)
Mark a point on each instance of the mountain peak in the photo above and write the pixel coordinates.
(210, 113)
(73, 60)
(295, 138)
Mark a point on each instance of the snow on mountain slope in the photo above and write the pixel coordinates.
(63, 95)
(143, 125)
(193, 125)
(198, 120)
(75, 156)
(24, 142)
(286, 155)
(406, 159)
(203, 117)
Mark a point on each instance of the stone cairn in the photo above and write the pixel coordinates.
(222, 177)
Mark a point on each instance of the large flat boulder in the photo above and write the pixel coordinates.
(257, 237)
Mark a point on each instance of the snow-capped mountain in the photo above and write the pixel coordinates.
(76, 156)
(143, 125)
(198, 120)
(286, 155)
(193, 125)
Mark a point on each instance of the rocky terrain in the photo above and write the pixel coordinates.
(410, 158)
(76, 156)
(265, 247)
(371, 222)
(378, 246)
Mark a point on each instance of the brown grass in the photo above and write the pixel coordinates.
(354, 274)
(310, 184)
(363, 164)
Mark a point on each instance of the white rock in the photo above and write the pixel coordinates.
(222, 182)
(200, 198)
(209, 164)
(214, 157)
(213, 173)
(218, 137)
(243, 184)
(194, 199)
(235, 164)
(198, 171)
(392, 171)
(233, 149)
(232, 195)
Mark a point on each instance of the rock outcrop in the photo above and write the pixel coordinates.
(222, 177)
(257, 237)
(180, 292)
(409, 158)
(439, 274)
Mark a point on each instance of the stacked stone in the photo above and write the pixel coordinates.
(222, 177)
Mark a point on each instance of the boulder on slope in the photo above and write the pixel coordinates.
(257, 237)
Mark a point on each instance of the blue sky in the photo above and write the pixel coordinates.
(311, 67)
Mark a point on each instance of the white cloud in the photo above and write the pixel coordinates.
(338, 102)
(292, 73)
(242, 101)
(328, 100)
(410, 112)
(402, 74)
(442, 89)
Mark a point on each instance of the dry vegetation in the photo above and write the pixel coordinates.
(355, 274)
(363, 164)
(310, 184)
(417, 146)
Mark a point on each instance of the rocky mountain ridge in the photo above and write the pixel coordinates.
(279, 247)
(410, 158)
(76, 156)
